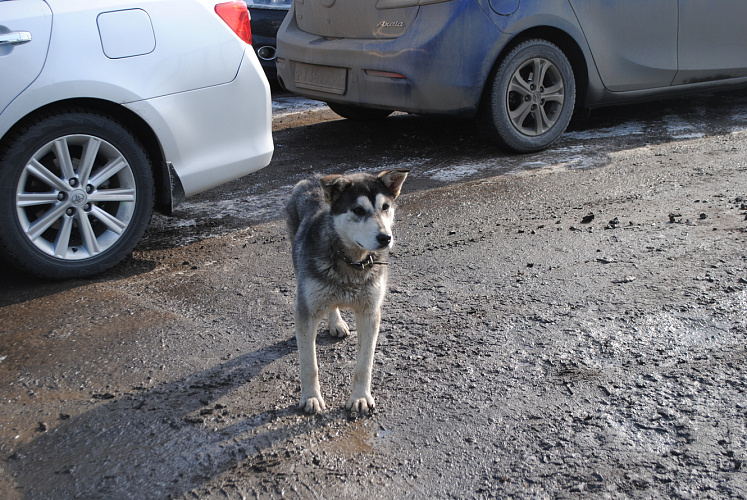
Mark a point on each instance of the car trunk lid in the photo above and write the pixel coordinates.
(363, 19)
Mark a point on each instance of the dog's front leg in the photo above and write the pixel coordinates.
(367, 323)
(311, 395)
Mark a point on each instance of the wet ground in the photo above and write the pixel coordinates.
(568, 324)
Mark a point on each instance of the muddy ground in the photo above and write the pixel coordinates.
(570, 324)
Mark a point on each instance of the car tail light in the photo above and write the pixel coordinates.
(236, 16)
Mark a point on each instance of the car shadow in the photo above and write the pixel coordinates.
(160, 442)
(19, 287)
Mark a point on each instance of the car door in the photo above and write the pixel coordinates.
(633, 42)
(25, 28)
(713, 40)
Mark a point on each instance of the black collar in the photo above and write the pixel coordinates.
(362, 265)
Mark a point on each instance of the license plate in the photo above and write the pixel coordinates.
(322, 78)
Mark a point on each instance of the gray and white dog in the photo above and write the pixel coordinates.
(341, 232)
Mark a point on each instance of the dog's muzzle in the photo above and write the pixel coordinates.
(384, 240)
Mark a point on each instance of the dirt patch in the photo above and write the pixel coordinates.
(551, 333)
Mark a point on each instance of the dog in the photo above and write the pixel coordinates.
(340, 229)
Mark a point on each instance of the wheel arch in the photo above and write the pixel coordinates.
(565, 43)
(162, 176)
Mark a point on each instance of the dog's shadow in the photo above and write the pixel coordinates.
(159, 442)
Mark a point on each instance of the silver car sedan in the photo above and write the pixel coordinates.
(110, 109)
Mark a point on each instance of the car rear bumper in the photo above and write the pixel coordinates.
(443, 67)
(215, 134)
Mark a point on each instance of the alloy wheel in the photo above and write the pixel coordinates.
(75, 197)
(535, 97)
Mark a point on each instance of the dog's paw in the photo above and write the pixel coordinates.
(363, 405)
(339, 329)
(312, 405)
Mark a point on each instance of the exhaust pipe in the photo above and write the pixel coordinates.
(266, 53)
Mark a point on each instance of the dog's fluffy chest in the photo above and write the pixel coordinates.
(343, 286)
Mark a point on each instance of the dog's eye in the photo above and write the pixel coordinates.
(359, 211)
(385, 207)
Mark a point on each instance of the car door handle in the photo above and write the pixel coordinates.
(15, 37)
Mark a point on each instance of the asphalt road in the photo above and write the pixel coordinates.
(568, 324)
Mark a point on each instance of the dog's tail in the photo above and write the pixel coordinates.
(292, 218)
(304, 201)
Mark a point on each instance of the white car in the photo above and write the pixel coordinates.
(111, 108)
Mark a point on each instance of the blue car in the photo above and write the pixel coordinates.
(520, 67)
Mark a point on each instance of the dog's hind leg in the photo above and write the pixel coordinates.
(337, 326)
(367, 323)
(311, 395)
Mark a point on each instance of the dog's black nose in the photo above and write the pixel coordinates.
(383, 239)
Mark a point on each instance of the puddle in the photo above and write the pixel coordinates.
(361, 437)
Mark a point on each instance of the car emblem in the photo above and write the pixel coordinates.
(328, 3)
(391, 24)
(78, 198)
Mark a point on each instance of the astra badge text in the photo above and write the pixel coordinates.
(391, 24)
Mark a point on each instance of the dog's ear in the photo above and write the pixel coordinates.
(393, 180)
(333, 186)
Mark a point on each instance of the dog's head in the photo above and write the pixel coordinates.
(362, 207)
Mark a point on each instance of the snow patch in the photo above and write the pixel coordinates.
(457, 172)
(285, 106)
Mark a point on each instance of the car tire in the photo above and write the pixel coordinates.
(359, 113)
(76, 195)
(525, 113)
